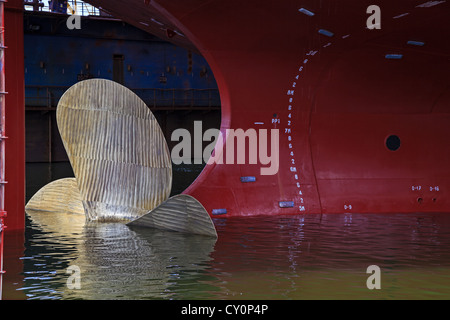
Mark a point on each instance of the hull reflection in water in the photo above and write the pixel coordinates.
(327, 256)
(295, 257)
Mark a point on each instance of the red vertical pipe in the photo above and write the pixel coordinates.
(2, 116)
(2, 141)
(14, 198)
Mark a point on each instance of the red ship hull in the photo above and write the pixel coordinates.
(363, 114)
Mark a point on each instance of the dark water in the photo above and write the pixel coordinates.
(294, 257)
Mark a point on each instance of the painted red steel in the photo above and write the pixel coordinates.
(2, 143)
(335, 89)
(2, 118)
(15, 116)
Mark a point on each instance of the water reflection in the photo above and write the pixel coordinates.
(326, 256)
(140, 263)
(296, 257)
(40, 174)
(115, 261)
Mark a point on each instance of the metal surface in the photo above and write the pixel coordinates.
(121, 163)
(322, 78)
(2, 140)
(45, 98)
(2, 116)
(56, 56)
(181, 213)
(117, 150)
(58, 196)
(15, 116)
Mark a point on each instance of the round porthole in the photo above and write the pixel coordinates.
(393, 143)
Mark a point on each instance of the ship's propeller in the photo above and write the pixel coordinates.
(121, 162)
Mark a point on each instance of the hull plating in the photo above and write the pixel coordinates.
(363, 115)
